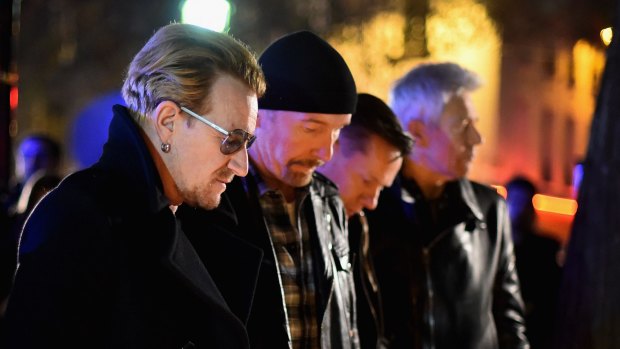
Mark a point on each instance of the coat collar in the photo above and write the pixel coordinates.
(459, 190)
(125, 154)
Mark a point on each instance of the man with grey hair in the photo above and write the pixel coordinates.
(104, 261)
(441, 244)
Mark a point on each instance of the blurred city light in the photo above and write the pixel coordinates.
(606, 35)
(554, 204)
(210, 14)
(501, 190)
(13, 97)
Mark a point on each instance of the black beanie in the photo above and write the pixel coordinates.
(305, 74)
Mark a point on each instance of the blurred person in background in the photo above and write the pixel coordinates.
(367, 158)
(103, 260)
(537, 263)
(441, 243)
(37, 154)
(37, 163)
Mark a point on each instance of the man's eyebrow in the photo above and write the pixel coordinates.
(314, 121)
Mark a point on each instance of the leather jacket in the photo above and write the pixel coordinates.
(448, 282)
(240, 216)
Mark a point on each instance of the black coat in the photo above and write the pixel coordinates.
(451, 283)
(370, 322)
(104, 263)
(240, 217)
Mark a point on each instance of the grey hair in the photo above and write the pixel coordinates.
(423, 92)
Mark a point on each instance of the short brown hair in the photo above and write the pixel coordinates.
(181, 62)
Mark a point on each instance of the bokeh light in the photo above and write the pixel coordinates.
(606, 35)
(210, 14)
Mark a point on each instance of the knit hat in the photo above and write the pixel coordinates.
(305, 74)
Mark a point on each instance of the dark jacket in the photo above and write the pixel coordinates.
(104, 263)
(449, 282)
(369, 305)
(240, 216)
(540, 276)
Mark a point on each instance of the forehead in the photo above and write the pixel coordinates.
(233, 102)
(377, 156)
(32, 145)
(329, 120)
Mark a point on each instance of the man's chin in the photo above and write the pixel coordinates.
(299, 179)
(210, 203)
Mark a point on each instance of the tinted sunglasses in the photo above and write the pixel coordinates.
(233, 141)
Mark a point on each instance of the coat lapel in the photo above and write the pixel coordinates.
(181, 259)
(233, 263)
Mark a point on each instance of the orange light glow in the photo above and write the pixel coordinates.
(554, 204)
(501, 190)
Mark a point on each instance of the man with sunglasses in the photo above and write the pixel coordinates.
(304, 295)
(104, 261)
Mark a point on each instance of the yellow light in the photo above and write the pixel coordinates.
(606, 35)
(501, 190)
(554, 204)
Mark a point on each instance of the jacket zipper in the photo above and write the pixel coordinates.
(426, 260)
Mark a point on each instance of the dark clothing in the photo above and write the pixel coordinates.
(540, 277)
(369, 306)
(446, 268)
(240, 215)
(104, 263)
(9, 236)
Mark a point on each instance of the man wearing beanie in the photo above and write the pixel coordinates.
(291, 218)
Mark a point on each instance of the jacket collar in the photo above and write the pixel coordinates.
(469, 197)
(125, 155)
(459, 190)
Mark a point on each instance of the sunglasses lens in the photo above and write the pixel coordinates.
(250, 141)
(233, 142)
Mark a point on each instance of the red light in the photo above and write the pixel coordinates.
(13, 97)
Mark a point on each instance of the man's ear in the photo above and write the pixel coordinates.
(164, 118)
(419, 130)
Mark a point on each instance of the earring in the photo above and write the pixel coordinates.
(165, 147)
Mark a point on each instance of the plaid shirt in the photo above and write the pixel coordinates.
(290, 235)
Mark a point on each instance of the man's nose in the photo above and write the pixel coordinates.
(372, 199)
(475, 138)
(325, 150)
(238, 163)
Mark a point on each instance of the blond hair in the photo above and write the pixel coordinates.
(180, 63)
